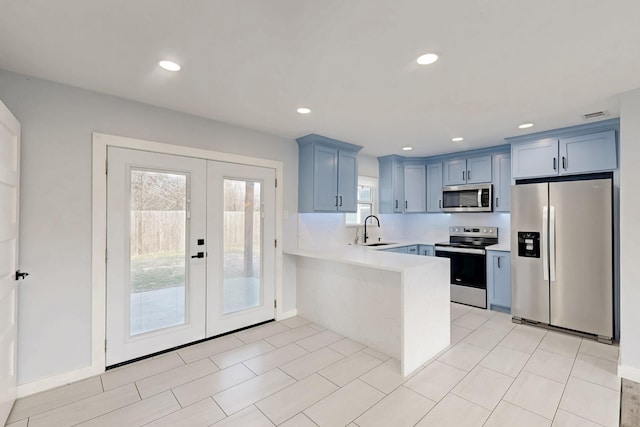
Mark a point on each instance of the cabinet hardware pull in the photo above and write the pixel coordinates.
(468, 175)
(463, 175)
(499, 262)
(340, 200)
(406, 204)
(497, 199)
(564, 162)
(336, 201)
(440, 204)
(396, 204)
(554, 163)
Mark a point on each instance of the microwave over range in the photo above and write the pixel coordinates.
(467, 198)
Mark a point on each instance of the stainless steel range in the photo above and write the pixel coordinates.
(466, 252)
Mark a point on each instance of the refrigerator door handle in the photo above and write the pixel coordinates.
(545, 246)
(552, 242)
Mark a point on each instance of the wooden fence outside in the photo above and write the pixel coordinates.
(163, 231)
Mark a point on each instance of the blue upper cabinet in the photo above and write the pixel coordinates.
(415, 188)
(502, 182)
(569, 151)
(434, 187)
(391, 184)
(327, 175)
(455, 172)
(588, 153)
(472, 170)
(535, 158)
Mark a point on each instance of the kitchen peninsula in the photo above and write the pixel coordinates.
(393, 303)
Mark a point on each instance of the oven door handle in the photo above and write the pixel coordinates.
(460, 250)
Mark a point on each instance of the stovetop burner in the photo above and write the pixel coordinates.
(471, 237)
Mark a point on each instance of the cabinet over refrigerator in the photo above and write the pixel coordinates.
(562, 255)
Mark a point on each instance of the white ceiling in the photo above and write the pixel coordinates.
(253, 62)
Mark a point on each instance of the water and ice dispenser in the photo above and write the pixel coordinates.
(529, 244)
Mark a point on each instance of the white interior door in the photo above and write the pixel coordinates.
(9, 204)
(156, 226)
(241, 237)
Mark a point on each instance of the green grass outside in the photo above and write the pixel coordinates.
(157, 271)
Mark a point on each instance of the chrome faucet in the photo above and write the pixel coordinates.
(365, 226)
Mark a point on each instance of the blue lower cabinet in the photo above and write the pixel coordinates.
(400, 250)
(425, 250)
(499, 281)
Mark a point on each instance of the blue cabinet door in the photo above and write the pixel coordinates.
(347, 181)
(535, 158)
(588, 153)
(415, 191)
(400, 250)
(434, 187)
(425, 250)
(478, 169)
(501, 182)
(398, 187)
(325, 178)
(391, 184)
(455, 172)
(499, 280)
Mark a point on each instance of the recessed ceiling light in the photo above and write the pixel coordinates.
(407, 148)
(303, 110)
(169, 65)
(457, 139)
(526, 125)
(427, 58)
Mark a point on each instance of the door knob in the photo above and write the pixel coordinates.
(198, 255)
(21, 275)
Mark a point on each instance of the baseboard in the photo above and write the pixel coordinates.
(57, 381)
(629, 372)
(287, 314)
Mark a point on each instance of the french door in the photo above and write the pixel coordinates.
(187, 253)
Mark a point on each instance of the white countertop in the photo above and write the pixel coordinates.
(504, 247)
(365, 256)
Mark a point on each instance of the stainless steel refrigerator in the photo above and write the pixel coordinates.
(562, 255)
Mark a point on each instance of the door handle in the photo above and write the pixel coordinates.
(21, 275)
(468, 175)
(552, 243)
(545, 235)
(564, 163)
(554, 163)
(336, 201)
(499, 262)
(463, 175)
(340, 200)
(198, 255)
(440, 204)
(396, 204)
(406, 204)
(497, 199)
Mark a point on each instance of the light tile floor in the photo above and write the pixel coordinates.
(294, 373)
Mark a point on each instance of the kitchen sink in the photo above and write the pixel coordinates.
(379, 244)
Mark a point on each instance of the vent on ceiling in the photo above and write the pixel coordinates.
(596, 115)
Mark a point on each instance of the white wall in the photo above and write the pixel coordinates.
(629, 235)
(55, 229)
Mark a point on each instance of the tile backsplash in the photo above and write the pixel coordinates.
(327, 230)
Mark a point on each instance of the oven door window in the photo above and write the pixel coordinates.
(467, 269)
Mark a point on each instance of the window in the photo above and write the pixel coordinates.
(367, 201)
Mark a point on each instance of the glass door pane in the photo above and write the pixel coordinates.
(241, 245)
(157, 250)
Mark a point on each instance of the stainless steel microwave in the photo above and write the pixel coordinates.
(467, 198)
